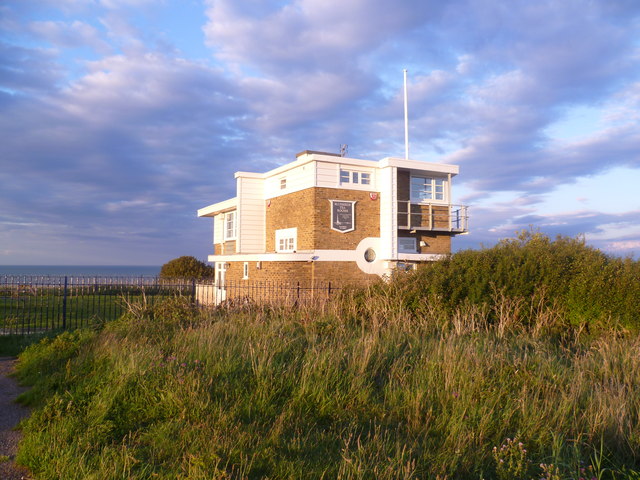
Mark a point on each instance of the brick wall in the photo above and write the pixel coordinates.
(342, 274)
(436, 242)
(279, 272)
(310, 212)
(288, 211)
(367, 218)
(307, 273)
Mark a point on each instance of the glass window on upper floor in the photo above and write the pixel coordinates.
(425, 189)
(286, 240)
(230, 225)
(354, 177)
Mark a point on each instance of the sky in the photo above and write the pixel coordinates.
(120, 118)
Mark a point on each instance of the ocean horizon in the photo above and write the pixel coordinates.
(82, 270)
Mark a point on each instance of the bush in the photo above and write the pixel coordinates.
(186, 267)
(592, 288)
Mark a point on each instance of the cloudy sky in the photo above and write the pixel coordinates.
(120, 118)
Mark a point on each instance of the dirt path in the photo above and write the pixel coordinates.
(10, 414)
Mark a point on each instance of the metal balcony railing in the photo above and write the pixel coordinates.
(432, 217)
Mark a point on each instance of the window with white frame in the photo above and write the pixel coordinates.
(407, 245)
(286, 240)
(354, 177)
(230, 225)
(283, 183)
(245, 271)
(424, 189)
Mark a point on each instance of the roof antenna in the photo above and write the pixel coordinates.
(406, 118)
(343, 149)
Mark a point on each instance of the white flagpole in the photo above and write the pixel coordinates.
(406, 118)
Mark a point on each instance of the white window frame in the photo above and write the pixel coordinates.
(348, 176)
(283, 183)
(434, 189)
(230, 220)
(287, 240)
(245, 271)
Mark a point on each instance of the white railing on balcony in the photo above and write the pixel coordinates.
(432, 217)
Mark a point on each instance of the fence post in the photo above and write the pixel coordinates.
(329, 293)
(193, 290)
(298, 290)
(64, 304)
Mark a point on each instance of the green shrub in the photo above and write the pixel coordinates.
(186, 267)
(590, 287)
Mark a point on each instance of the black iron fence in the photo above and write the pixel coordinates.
(244, 291)
(31, 304)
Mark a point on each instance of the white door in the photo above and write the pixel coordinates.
(220, 287)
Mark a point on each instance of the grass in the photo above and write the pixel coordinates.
(41, 309)
(370, 386)
(13, 345)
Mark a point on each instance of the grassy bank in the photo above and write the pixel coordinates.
(374, 385)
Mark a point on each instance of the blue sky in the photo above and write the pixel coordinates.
(120, 118)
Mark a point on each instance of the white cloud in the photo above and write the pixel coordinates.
(306, 34)
(74, 34)
(140, 125)
(115, 4)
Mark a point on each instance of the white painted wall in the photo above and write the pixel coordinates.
(317, 174)
(298, 178)
(251, 215)
(388, 186)
(218, 228)
(328, 176)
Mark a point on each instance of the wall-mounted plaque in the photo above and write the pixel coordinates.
(343, 216)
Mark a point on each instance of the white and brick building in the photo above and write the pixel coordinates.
(324, 217)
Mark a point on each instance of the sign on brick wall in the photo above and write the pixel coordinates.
(343, 216)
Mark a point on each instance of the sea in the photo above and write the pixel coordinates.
(81, 270)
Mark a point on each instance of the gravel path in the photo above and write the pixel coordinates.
(10, 414)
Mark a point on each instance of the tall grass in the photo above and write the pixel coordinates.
(375, 385)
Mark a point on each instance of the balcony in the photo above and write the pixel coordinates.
(432, 217)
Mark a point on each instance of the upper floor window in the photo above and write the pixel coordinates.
(286, 240)
(424, 189)
(283, 183)
(351, 176)
(230, 225)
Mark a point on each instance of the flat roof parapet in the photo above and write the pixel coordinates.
(315, 152)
